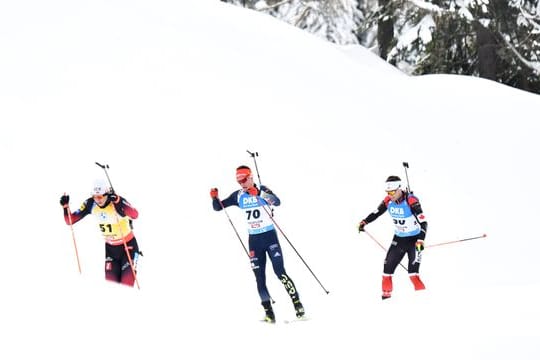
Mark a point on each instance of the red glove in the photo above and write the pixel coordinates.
(253, 191)
(214, 193)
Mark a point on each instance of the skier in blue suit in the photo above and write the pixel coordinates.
(410, 227)
(263, 237)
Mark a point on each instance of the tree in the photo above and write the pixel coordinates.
(333, 20)
(385, 28)
(486, 43)
(493, 39)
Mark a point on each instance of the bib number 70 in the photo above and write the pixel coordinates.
(255, 214)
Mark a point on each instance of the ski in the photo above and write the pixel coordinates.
(300, 319)
(286, 321)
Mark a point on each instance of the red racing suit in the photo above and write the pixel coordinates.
(115, 223)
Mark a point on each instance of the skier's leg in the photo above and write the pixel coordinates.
(112, 270)
(257, 257)
(129, 273)
(414, 266)
(112, 264)
(394, 256)
(276, 256)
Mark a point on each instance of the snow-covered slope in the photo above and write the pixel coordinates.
(171, 95)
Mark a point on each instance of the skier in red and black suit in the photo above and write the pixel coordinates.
(409, 235)
(114, 215)
(263, 237)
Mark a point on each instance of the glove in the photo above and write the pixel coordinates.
(419, 247)
(114, 198)
(269, 198)
(361, 226)
(214, 193)
(64, 200)
(253, 191)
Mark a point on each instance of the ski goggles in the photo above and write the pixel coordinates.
(242, 175)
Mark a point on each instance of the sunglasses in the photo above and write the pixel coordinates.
(391, 192)
(244, 180)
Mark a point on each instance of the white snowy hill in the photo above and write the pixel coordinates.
(171, 95)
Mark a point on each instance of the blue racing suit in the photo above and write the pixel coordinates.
(263, 237)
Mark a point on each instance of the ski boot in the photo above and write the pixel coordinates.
(386, 287)
(269, 316)
(299, 308)
(418, 284)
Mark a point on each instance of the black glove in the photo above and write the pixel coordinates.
(113, 197)
(64, 200)
(361, 226)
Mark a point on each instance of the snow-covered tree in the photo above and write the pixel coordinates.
(494, 39)
(333, 20)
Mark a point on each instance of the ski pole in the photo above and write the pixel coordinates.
(382, 247)
(292, 246)
(126, 249)
(105, 167)
(234, 228)
(238, 236)
(254, 155)
(456, 241)
(73, 236)
(406, 166)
